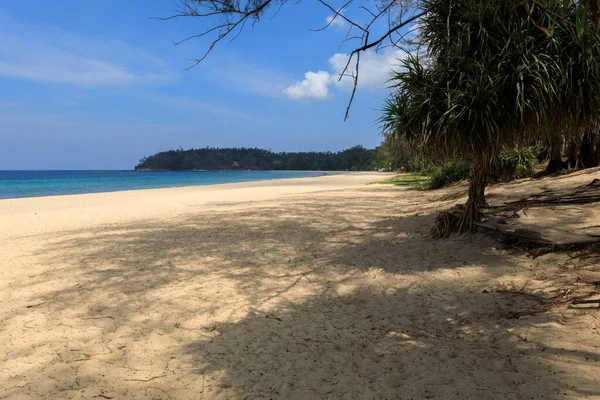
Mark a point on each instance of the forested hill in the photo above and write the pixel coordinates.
(213, 159)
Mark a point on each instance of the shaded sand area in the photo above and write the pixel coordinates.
(305, 289)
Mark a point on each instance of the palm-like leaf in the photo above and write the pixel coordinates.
(498, 72)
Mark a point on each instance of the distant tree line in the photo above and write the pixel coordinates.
(356, 158)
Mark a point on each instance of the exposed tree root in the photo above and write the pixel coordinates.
(556, 164)
(470, 217)
(586, 301)
(445, 224)
(552, 168)
(591, 255)
(463, 219)
(531, 241)
(460, 219)
(585, 194)
(534, 245)
(546, 304)
(535, 297)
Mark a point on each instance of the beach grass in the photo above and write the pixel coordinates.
(406, 180)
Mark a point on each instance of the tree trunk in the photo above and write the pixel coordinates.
(478, 180)
(589, 150)
(597, 158)
(572, 154)
(556, 163)
(595, 13)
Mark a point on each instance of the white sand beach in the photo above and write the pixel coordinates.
(308, 288)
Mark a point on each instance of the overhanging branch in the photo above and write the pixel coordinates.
(227, 18)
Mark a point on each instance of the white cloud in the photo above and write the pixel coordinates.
(314, 86)
(336, 22)
(52, 56)
(374, 71)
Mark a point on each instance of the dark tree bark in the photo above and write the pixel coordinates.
(556, 164)
(589, 150)
(595, 13)
(573, 155)
(478, 180)
(597, 159)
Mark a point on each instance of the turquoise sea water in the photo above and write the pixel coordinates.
(15, 184)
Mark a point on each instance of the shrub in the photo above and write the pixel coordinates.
(394, 155)
(450, 172)
(515, 163)
(421, 164)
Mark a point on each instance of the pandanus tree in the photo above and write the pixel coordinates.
(575, 115)
(495, 73)
(589, 149)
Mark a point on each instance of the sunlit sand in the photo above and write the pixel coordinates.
(294, 289)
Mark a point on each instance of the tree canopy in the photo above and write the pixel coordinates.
(495, 73)
(356, 158)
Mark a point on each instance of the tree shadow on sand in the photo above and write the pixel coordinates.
(403, 344)
(347, 302)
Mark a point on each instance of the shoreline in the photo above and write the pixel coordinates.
(211, 185)
(316, 175)
(31, 215)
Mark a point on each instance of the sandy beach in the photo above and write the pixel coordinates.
(308, 288)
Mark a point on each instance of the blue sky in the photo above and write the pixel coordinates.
(98, 85)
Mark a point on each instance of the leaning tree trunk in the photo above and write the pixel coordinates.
(556, 163)
(478, 180)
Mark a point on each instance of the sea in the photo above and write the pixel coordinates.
(18, 184)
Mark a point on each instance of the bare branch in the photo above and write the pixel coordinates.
(369, 11)
(200, 34)
(389, 32)
(232, 16)
(283, 3)
(335, 15)
(338, 14)
(350, 38)
(355, 85)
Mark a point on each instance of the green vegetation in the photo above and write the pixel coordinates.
(452, 171)
(434, 178)
(512, 163)
(406, 180)
(515, 163)
(496, 74)
(482, 80)
(356, 158)
(393, 155)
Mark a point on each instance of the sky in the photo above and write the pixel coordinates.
(99, 85)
